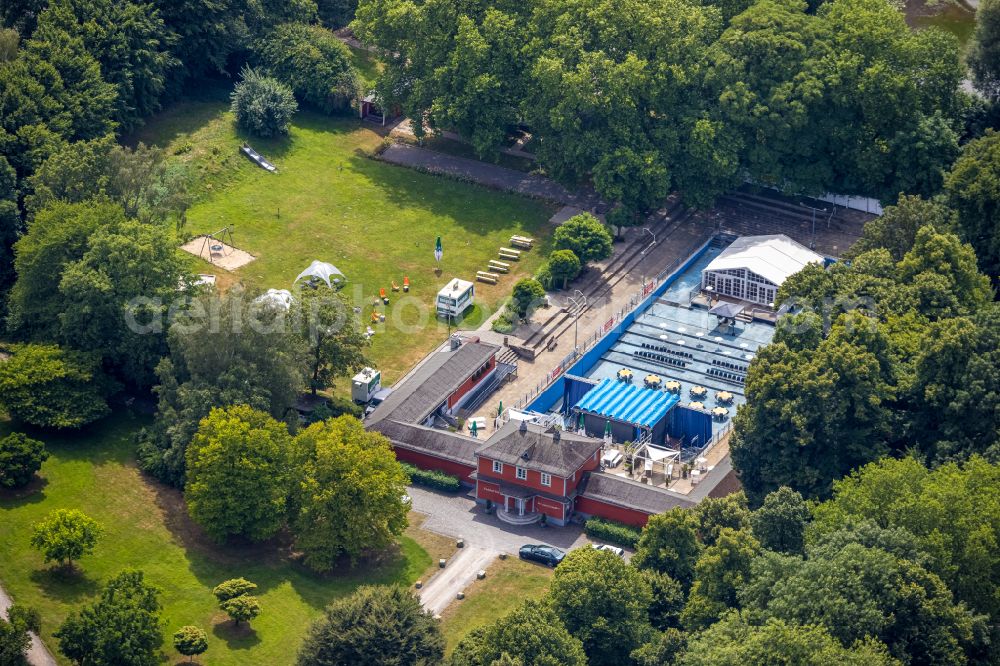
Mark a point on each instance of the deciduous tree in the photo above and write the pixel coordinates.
(65, 535)
(526, 296)
(237, 474)
(263, 105)
(15, 641)
(669, 544)
(348, 493)
(122, 627)
(604, 602)
(20, 458)
(585, 236)
(984, 52)
(973, 188)
(336, 345)
(532, 633)
(780, 522)
(564, 266)
(190, 641)
(374, 626)
(49, 387)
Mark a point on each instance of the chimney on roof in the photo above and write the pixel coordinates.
(523, 428)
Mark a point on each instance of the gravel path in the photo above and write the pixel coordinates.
(490, 175)
(461, 571)
(38, 654)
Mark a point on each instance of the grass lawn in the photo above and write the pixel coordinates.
(146, 527)
(374, 221)
(367, 64)
(508, 583)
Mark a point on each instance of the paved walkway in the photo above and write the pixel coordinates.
(490, 175)
(38, 654)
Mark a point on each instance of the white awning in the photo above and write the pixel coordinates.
(321, 270)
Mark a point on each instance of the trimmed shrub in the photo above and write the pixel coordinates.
(432, 478)
(262, 105)
(612, 532)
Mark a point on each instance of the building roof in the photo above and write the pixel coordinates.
(536, 447)
(774, 257)
(455, 287)
(432, 441)
(429, 385)
(618, 490)
(627, 403)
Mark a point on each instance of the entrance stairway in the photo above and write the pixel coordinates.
(511, 518)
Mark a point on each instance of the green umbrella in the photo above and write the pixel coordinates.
(607, 429)
(500, 409)
(438, 250)
(581, 426)
(475, 429)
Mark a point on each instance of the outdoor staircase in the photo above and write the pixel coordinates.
(514, 519)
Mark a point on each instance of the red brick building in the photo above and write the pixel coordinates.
(528, 470)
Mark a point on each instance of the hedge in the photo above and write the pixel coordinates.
(616, 533)
(432, 478)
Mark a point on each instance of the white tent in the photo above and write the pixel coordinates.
(281, 298)
(322, 270)
(651, 455)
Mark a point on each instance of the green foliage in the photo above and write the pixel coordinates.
(533, 633)
(131, 44)
(232, 588)
(65, 535)
(585, 236)
(612, 532)
(953, 511)
(896, 229)
(116, 297)
(190, 641)
(20, 458)
(56, 238)
(348, 493)
(858, 592)
(242, 608)
(736, 641)
(237, 474)
(216, 359)
(432, 478)
(604, 602)
(374, 626)
(812, 416)
(665, 649)
(122, 627)
(717, 513)
(780, 522)
(314, 63)
(331, 331)
(14, 638)
(669, 544)
(564, 266)
(668, 600)
(721, 571)
(527, 294)
(49, 387)
(984, 52)
(973, 189)
(262, 105)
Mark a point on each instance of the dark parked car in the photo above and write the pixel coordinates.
(544, 554)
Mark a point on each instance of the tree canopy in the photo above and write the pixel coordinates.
(20, 458)
(348, 492)
(122, 627)
(237, 474)
(584, 236)
(372, 626)
(532, 633)
(66, 535)
(263, 105)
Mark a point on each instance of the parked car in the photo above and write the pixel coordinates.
(547, 555)
(620, 552)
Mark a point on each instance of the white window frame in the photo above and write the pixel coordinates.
(498, 467)
(546, 479)
(521, 473)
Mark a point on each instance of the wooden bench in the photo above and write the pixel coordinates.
(522, 242)
(489, 278)
(499, 266)
(510, 253)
